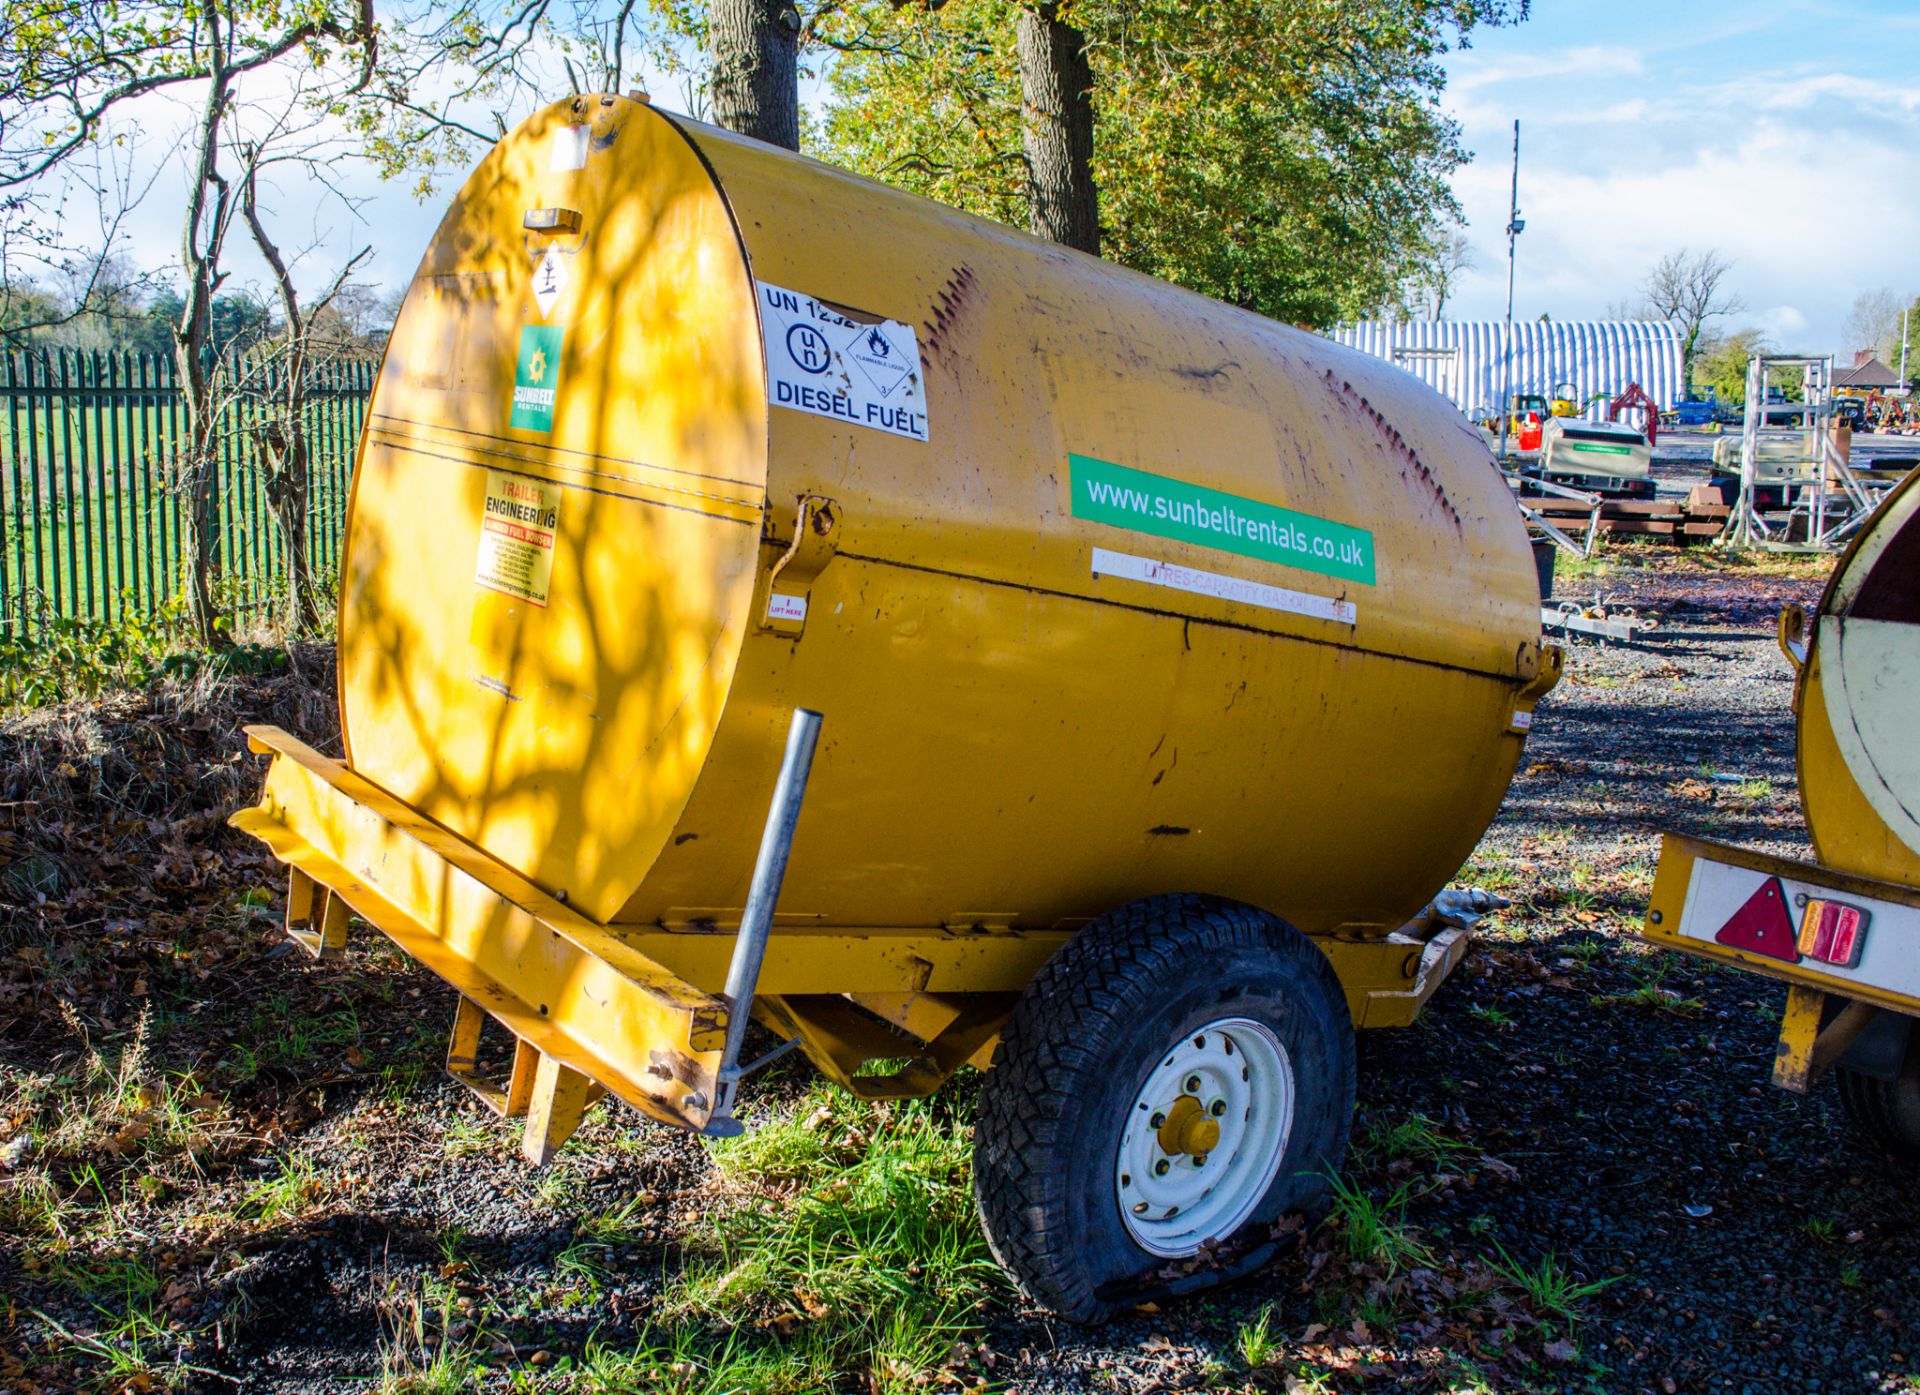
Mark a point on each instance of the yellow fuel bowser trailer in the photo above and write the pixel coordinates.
(1844, 931)
(1147, 667)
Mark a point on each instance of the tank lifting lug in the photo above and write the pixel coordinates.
(816, 537)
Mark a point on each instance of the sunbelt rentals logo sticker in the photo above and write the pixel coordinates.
(537, 379)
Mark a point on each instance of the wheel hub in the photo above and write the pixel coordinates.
(1189, 1129)
(1204, 1137)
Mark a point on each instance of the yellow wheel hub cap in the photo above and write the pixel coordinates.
(1189, 1129)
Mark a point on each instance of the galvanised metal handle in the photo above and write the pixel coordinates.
(756, 922)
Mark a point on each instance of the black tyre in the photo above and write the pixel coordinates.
(1886, 1113)
(1172, 1036)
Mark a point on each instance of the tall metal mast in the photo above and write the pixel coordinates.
(1515, 223)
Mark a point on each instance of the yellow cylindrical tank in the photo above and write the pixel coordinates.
(1858, 701)
(1105, 589)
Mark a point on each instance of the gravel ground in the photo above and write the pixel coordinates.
(1594, 1101)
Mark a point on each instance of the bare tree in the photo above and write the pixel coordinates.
(455, 75)
(66, 68)
(60, 259)
(1056, 127)
(287, 371)
(1685, 289)
(1424, 293)
(203, 238)
(1874, 320)
(753, 48)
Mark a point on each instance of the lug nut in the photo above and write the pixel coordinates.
(1157, 1121)
(1161, 1167)
(1193, 1083)
(1218, 1109)
(1199, 1159)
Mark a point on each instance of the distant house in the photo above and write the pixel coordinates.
(1867, 374)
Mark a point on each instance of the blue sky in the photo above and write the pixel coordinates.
(1785, 135)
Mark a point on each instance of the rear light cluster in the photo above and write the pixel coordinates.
(1832, 932)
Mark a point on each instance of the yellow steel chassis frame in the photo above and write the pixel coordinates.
(634, 1010)
(1812, 1037)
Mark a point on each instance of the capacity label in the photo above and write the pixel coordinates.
(1103, 492)
(823, 362)
(516, 536)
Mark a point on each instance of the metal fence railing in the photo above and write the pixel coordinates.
(90, 508)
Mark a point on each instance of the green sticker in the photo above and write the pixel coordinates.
(1599, 448)
(537, 378)
(1168, 508)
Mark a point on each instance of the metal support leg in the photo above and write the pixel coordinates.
(560, 1097)
(316, 918)
(750, 947)
(509, 1101)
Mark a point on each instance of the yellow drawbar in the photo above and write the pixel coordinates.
(1105, 591)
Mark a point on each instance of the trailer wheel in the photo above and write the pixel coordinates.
(1885, 1112)
(1177, 1078)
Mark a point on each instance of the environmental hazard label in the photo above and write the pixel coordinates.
(832, 365)
(536, 379)
(549, 279)
(516, 536)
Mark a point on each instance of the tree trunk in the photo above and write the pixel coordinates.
(1056, 121)
(754, 47)
(200, 243)
(289, 492)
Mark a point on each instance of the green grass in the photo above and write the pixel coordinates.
(1414, 1137)
(689, 1361)
(1256, 1342)
(293, 1188)
(1376, 1232)
(416, 1356)
(1554, 1291)
(849, 1225)
(102, 536)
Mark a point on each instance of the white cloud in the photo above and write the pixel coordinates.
(1588, 61)
(1783, 324)
(1807, 178)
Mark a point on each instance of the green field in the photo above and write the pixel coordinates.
(90, 515)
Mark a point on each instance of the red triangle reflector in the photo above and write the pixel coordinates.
(1763, 926)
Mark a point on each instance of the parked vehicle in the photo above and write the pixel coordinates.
(1608, 458)
(1704, 410)
(1839, 931)
(1163, 662)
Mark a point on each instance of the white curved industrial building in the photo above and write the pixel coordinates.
(1464, 360)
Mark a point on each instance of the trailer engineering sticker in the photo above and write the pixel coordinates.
(1227, 588)
(1103, 492)
(516, 536)
(826, 363)
(536, 380)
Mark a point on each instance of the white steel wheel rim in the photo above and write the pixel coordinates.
(1176, 1195)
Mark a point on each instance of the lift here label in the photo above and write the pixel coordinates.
(823, 362)
(1103, 492)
